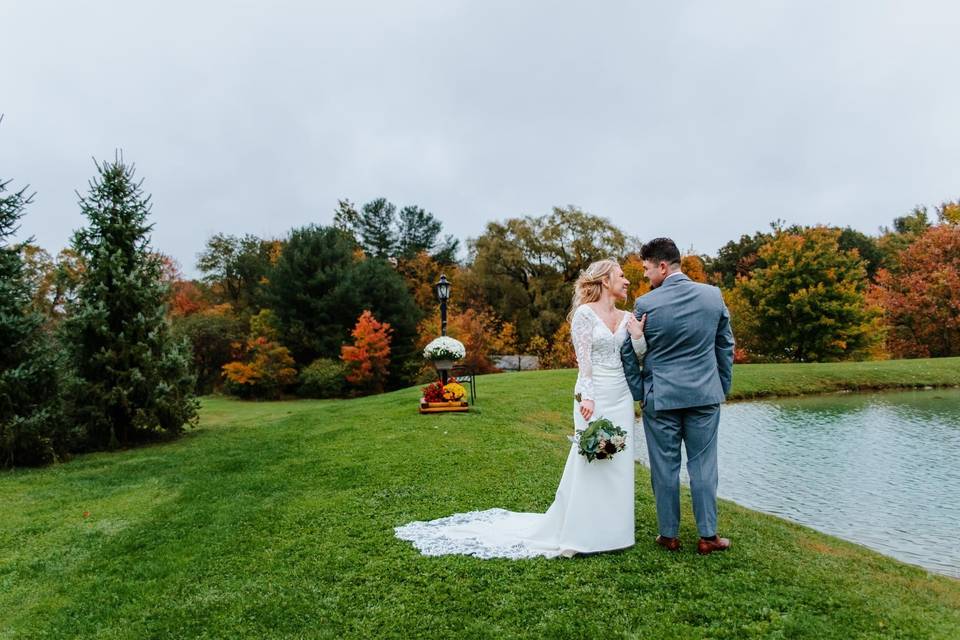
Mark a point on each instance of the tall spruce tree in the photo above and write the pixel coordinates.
(31, 428)
(376, 228)
(131, 379)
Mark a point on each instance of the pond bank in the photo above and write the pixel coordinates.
(752, 381)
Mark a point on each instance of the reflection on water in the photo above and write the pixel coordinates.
(882, 470)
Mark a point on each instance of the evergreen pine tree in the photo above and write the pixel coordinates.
(130, 379)
(376, 228)
(31, 429)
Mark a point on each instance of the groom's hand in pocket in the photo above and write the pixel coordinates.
(586, 409)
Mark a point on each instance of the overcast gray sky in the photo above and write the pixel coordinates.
(697, 120)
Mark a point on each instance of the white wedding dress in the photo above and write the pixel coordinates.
(594, 506)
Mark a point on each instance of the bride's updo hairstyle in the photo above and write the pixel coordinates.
(589, 285)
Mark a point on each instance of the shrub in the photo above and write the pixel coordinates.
(323, 378)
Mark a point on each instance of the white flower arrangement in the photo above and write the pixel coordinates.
(444, 348)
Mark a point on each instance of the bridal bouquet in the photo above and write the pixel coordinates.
(600, 440)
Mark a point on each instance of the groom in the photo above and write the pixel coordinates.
(686, 374)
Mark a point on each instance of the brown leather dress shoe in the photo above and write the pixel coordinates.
(706, 547)
(670, 544)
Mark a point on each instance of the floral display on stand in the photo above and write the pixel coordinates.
(444, 348)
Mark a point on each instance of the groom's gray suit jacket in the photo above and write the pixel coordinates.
(689, 359)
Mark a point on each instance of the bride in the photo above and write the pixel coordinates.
(593, 509)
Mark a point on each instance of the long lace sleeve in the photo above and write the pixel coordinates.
(640, 347)
(581, 332)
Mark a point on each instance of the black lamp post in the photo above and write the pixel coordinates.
(442, 289)
(443, 294)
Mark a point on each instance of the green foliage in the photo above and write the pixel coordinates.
(737, 258)
(866, 247)
(383, 233)
(319, 287)
(307, 293)
(323, 378)
(130, 379)
(375, 286)
(524, 268)
(809, 299)
(913, 224)
(418, 231)
(32, 429)
(235, 268)
(213, 336)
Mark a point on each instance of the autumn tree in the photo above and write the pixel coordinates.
(477, 329)
(421, 273)
(809, 298)
(561, 354)
(949, 212)
(505, 341)
(633, 271)
(237, 267)
(266, 367)
(525, 267)
(130, 379)
(920, 296)
(368, 359)
(693, 267)
(906, 229)
(53, 280)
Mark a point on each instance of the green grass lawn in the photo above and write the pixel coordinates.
(757, 380)
(276, 520)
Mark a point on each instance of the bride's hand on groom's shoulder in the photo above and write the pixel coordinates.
(586, 409)
(636, 327)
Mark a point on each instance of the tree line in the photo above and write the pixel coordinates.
(109, 343)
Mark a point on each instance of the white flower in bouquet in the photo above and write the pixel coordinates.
(444, 348)
(618, 441)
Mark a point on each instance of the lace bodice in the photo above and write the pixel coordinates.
(595, 346)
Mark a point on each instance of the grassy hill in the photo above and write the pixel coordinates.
(276, 520)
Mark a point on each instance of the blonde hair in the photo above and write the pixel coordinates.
(589, 285)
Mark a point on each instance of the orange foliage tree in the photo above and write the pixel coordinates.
(693, 267)
(186, 298)
(920, 296)
(633, 271)
(421, 272)
(477, 330)
(368, 358)
(265, 366)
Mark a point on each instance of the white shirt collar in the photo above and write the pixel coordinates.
(675, 273)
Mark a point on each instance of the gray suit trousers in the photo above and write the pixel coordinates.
(697, 428)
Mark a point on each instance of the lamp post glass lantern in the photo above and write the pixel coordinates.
(442, 289)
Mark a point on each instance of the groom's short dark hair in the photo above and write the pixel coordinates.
(660, 250)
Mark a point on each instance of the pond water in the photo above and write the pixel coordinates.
(881, 470)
